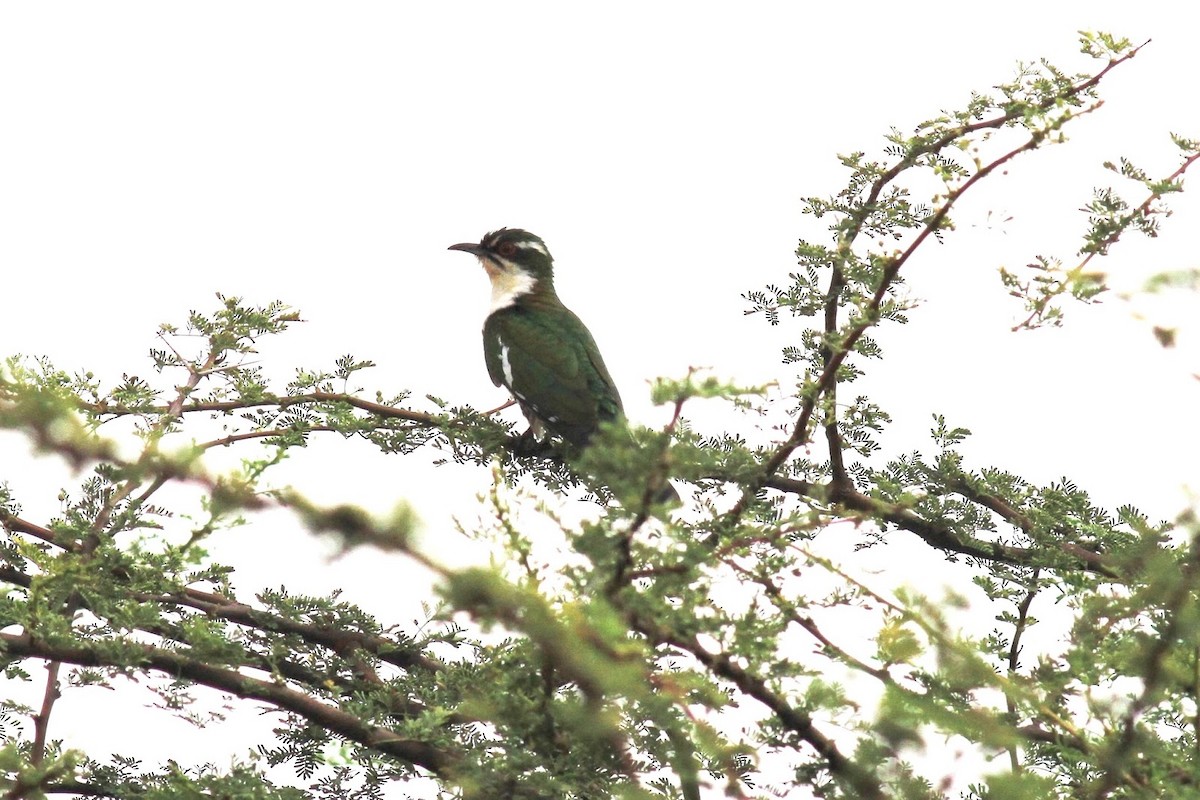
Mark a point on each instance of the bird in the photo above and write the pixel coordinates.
(538, 349)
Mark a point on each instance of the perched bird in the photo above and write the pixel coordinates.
(537, 349)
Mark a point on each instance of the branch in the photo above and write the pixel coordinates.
(847, 495)
(869, 317)
(227, 406)
(232, 438)
(347, 644)
(832, 360)
(937, 535)
(343, 642)
(788, 608)
(438, 761)
(16, 524)
(1101, 247)
(865, 784)
(41, 720)
(833, 437)
(993, 503)
(92, 540)
(658, 489)
(340, 641)
(81, 789)
(1156, 672)
(1014, 654)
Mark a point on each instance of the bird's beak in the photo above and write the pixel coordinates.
(469, 247)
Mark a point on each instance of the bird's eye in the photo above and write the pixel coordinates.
(507, 249)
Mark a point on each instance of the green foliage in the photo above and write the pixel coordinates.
(636, 653)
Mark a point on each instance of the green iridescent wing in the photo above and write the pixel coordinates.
(548, 360)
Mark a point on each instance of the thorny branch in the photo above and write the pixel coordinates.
(720, 664)
(832, 357)
(1143, 211)
(94, 536)
(349, 644)
(828, 377)
(1014, 656)
(843, 495)
(226, 406)
(41, 720)
(177, 665)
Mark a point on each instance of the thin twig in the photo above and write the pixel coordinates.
(226, 406)
(788, 609)
(1142, 210)
(41, 720)
(1014, 654)
(722, 665)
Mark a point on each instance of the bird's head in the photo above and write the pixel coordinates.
(515, 260)
(511, 250)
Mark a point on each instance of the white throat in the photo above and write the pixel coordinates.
(507, 286)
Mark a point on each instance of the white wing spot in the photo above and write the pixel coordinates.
(504, 365)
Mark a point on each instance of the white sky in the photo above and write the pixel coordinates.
(152, 154)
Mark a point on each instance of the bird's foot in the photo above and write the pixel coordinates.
(528, 444)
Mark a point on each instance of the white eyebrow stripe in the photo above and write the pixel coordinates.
(531, 245)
